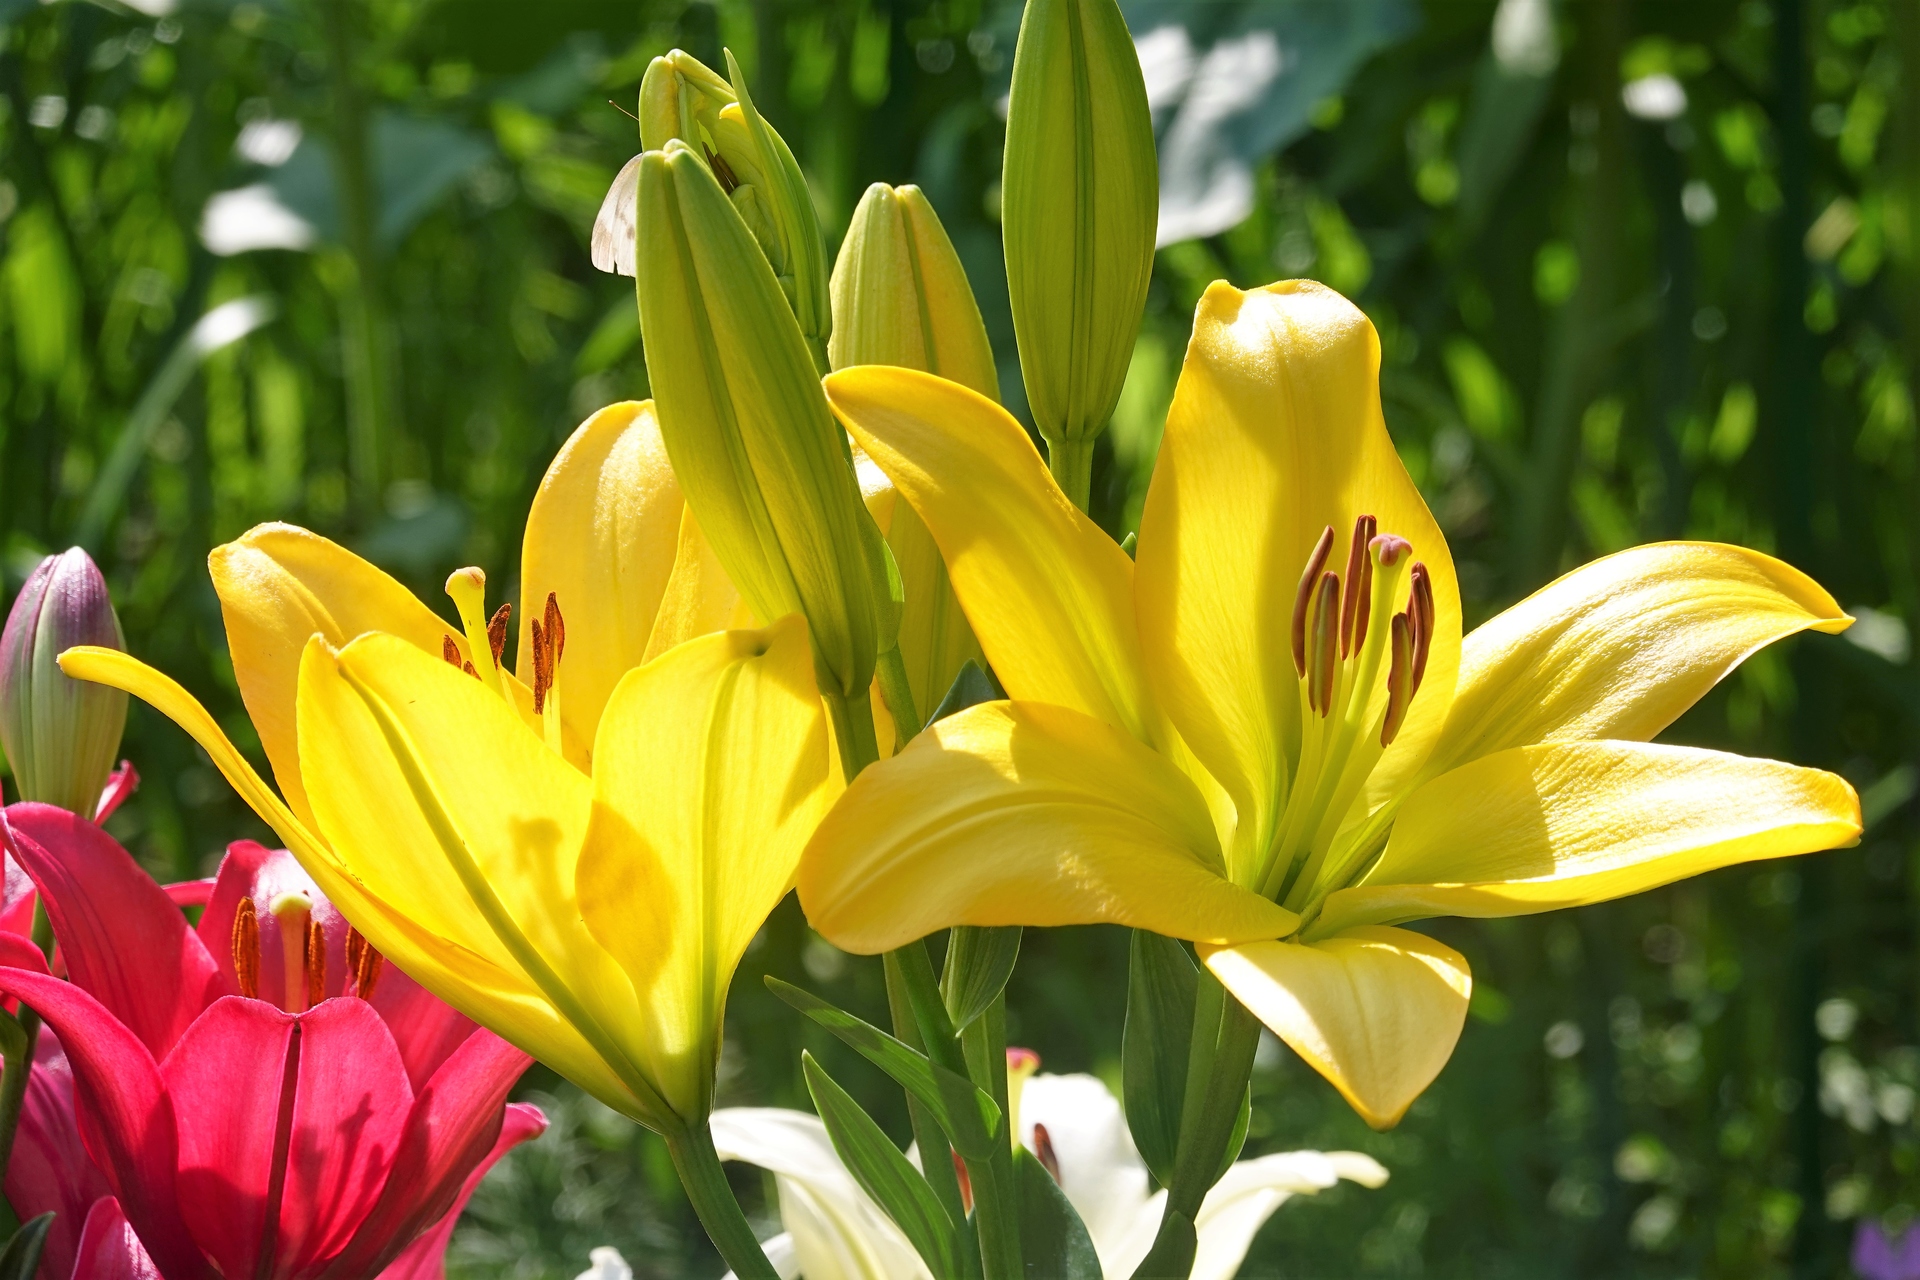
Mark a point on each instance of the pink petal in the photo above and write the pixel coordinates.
(254, 871)
(456, 1121)
(18, 952)
(125, 1118)
(109, 1250)
(319, 1099)
(16, 900)
(50, 1169)
(121, 937)
(123, 783)
(426, 1257)
(189, 893)
(427, 1029)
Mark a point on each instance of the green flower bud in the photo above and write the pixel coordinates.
(1079, 207)
(61, 735)
(681, 97)
(764, 465)
(901, 297)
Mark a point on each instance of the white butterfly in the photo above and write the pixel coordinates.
(614, 228)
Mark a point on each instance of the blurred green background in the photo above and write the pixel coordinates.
(1640, 270)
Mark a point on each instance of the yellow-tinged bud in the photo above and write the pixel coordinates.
(61, 735)
(1079, 208)
(763, 464)
(682, 98)
(901, 297)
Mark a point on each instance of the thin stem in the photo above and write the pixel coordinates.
(898, 695)
(698, 1165)
(936, 1156)
(996, 1212)
(1071, 462)
(852, 730)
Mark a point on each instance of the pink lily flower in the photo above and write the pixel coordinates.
(258, 1096)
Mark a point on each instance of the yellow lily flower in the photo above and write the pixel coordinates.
(577, 859)
(1271, 739)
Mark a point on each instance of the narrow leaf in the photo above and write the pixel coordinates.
(1053, 1240)
(967, 1116)
(21, 1258)
(1238, 1137)
(979, 962)
(1154, 1047)
(970, 688)
(886, 1175)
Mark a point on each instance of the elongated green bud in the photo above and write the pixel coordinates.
(1080, 205)
(762, 462)
(901, 297)
(681, 97)
(61, 735)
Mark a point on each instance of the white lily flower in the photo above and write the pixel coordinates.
(607, 1265)
(835, 1232)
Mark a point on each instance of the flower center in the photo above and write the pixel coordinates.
(488, 636)
(1343, 660)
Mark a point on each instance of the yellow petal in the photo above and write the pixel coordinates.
(279, 586)
(447, 808)
(935, 640)
(699, 597)
(1562, 824)
(1023, 813)
(1376, 1011)
(710, 772)
(1049, 595)
(1620, 647)
(502, 999)
(1274, 434)
(601, 537)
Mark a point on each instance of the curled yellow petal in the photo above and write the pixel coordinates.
(1023, 813)
(601, 536)
(1376, 1011)
(280, 585)
(1562, 824)
(1620, 647)
(699, 597)
(1049, 595)
(1275, 433)
(710, 773)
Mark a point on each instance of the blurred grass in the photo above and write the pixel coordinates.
(1597, 329)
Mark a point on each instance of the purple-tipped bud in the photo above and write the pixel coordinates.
(61, 735)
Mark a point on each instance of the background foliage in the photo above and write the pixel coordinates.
(1650, 275)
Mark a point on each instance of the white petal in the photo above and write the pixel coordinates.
(615, 227)
(1240, 1203)
(1100, 1171)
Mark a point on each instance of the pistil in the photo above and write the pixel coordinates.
(297, 947)
(486, 638)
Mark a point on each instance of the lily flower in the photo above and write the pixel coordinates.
(1267, 736)
(1074, 1126)
(261, 1094)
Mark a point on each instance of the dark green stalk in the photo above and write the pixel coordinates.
(698, 1165)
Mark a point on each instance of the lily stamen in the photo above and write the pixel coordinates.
(363, 962)
(549, 643)
(246, 949)
(450, 650)
(1354, 608)
(1304, 597)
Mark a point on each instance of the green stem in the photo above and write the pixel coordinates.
(936, 1155)
(898, 695)
(852, 730)
(698, 1165)
(996, 1212)
(1219, 1067)
(1071, 462)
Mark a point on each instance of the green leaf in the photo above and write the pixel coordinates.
(979, 962)
(1053, 1240)
(1238, 1138)
(21, 1258)
(970, 688)
(1155, 1046)
(886, 1175)
(967, 1116)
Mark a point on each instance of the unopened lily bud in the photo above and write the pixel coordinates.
(762, 462)
(61, 735)
(1079, 209)
(901, 297)
(682, 98)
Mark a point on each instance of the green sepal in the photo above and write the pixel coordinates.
(1155, 1046)
(979, 962)
(969, 1118)
(1053, 1241)
(973, 686)
(884, 1173)
(21, 1258)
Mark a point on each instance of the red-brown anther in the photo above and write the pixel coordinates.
(549, 643)
(1324, 655)
(450, 650)
(316, 963)
(1420, 603)
(246, 948)
(556, 633)
(1043, 1149)
(497, 631)
(468, 668)
(1304, 597)
(1399, 678)
(721, 170)
(1359, 598)
(364, 962)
